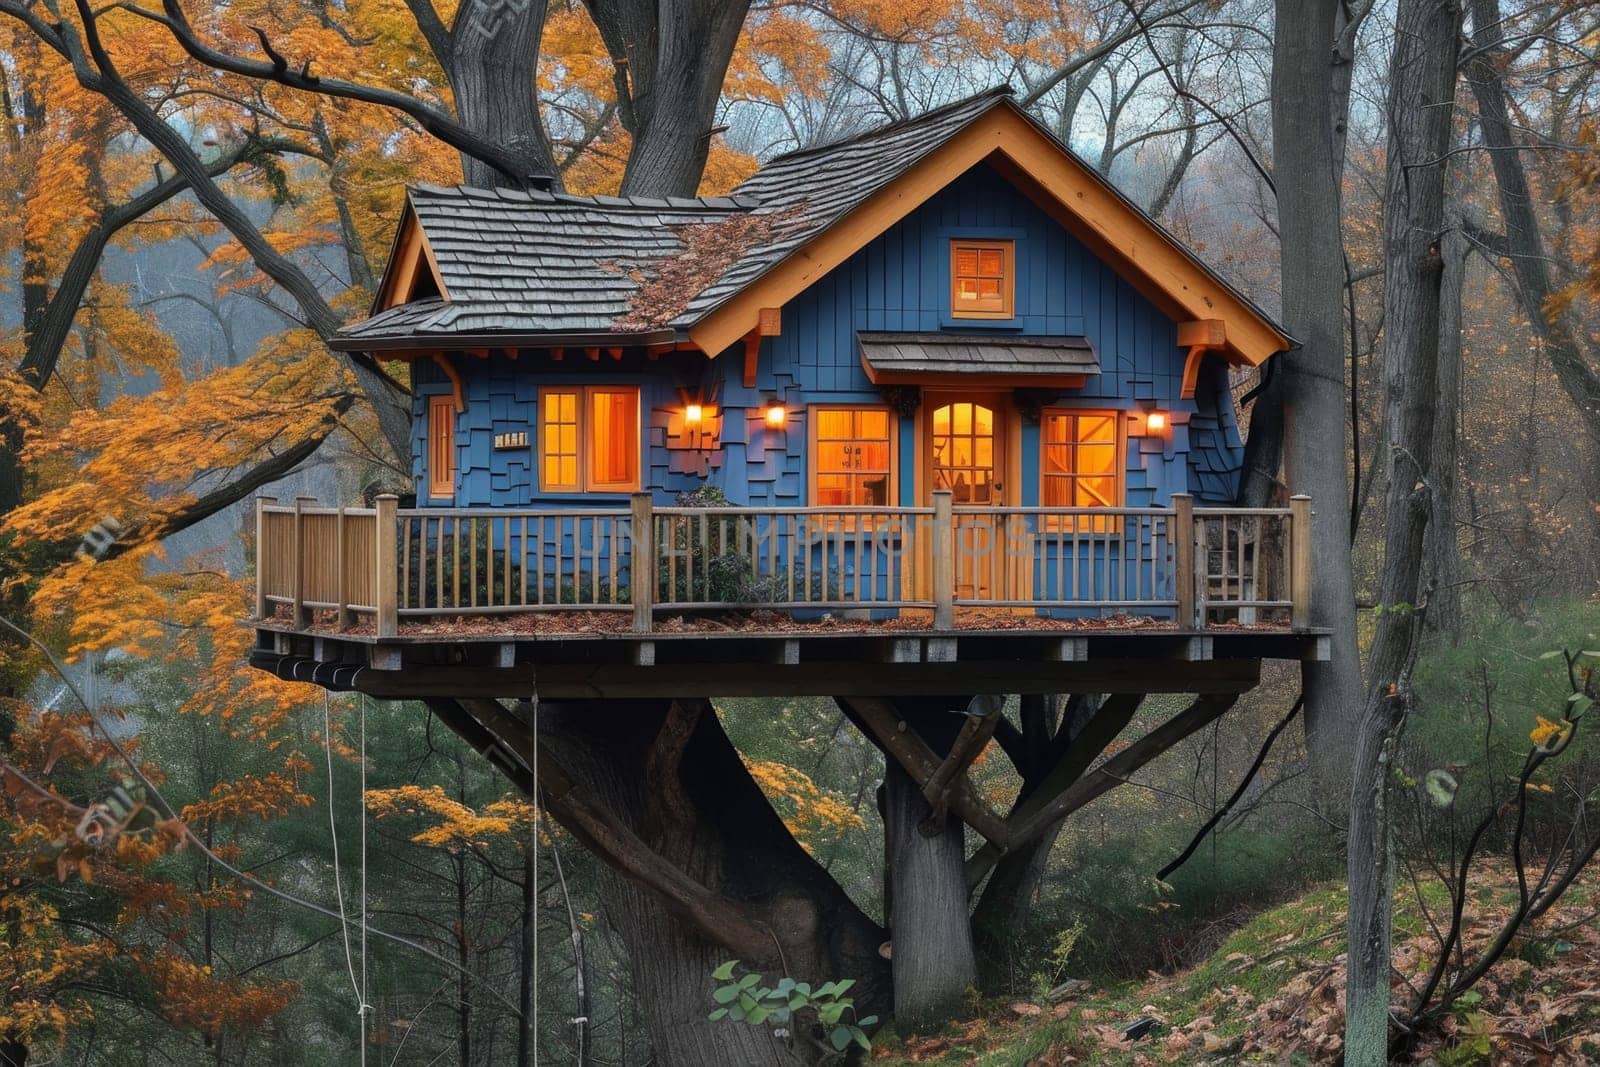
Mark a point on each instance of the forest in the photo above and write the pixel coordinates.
(1385, 854)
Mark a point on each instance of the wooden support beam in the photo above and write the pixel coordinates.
(983, 715)
(615, 352)
(896, 737)
(592, 355)
(1025, 826)
(752, 354)
(769, 322)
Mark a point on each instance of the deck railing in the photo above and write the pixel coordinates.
(1197, 566)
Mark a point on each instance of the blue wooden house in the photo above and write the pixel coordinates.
(942, 363)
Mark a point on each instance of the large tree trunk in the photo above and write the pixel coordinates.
(934, 962)
(670, 774)
(670, 61)
(493, 67)
(1422, 93)
(1307, 143)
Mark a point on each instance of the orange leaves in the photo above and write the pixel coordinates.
(39, 960)
(191, 995)
(250, 796)
(458, 825)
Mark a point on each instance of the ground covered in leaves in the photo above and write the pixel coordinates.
(1273, 993)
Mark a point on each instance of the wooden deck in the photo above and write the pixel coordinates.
(723, 601)
(788, 663)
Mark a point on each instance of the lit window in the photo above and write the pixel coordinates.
(1080, 464)
(589, 439)
(441, 446)
(982, 281)
(853, 457)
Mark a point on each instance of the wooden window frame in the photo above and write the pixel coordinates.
(585, 482)
(441, 484)
(813, 425)
(1008, 277)
(1111, 524)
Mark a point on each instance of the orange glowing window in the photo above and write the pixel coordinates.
(1080, 466)
(589, 439)
(441, 446)
(982, 279)
(852, 457)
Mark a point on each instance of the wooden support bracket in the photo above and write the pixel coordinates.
(457, 389)
(1199, 337)
(752, 353)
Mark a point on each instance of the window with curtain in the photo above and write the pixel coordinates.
(982, 279)
(1080, 467)
(852, 457)
(441, 453)
(589, 439)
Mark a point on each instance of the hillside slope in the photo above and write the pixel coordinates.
(1273, 993)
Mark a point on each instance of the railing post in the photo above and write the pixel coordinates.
(944, 560)
(642, 562)
(1300, 561)
(297, 588)
(263, 605)
(341, 593)
(1183, 572)
(386, 575)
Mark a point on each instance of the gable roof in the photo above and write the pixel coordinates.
(516, 265)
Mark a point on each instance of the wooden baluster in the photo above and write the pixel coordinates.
(343, 609)
(1181, 534)
(297, 610)
(1300, 561)
(385, 573)
(538, 558)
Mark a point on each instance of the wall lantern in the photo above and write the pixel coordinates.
(1155, 422)
(693, 415)
(775, 414)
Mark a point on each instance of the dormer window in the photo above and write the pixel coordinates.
(982, 279)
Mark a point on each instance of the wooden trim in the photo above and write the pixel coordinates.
(769, 322)
(411, 250)
(1008, 277)
(812, 424)
(752, 356)
(1199, 336)
(441, 444)
(585, 483)
(458, 389)
(1078, 198)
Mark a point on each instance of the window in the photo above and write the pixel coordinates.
(1080, 466)
(441, 471)
(982, 281)
(589, 439)
(852, 457)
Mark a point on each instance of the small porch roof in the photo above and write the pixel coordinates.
(930, 358)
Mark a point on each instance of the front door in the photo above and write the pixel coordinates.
(966, 455)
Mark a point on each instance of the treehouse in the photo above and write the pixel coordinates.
(933, 409)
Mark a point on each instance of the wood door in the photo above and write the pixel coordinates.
(965, 453)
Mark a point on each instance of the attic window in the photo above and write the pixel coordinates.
(982, 279)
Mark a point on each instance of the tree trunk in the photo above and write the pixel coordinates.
(1310, 380)
(1422, 92)
(493, 67)
(669, 772)
(670, 61)
(13, 1052)
(1444, 544)
(934, 961)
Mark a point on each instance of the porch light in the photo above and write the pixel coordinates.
(775, 413)
(693, 414)
(1155, 422)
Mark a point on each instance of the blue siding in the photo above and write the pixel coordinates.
(898, 282)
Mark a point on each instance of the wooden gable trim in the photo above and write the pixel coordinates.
(1071, 193)
(410, 254)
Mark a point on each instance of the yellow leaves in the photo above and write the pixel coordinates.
(192, 995)
(1548, 735)
(807, 810)
(261, 797)
(459, 826)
